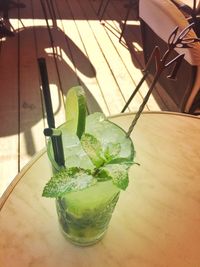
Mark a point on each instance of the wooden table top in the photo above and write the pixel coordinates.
(156, 222)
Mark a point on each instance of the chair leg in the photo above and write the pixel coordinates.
(100, 7)
(104, 8)
(131, 4)
(125, 21)
(4, 31)
(5, 5)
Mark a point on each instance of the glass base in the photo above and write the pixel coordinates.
(82, 242)
(84, 216)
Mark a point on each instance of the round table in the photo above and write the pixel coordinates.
(156, 222)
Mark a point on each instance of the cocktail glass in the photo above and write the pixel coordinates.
(84, 213)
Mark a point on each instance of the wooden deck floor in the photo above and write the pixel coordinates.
(78, 50)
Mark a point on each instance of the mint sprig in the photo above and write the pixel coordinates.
(109, 164)
(68, 180)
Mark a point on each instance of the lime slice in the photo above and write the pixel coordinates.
(76, 110)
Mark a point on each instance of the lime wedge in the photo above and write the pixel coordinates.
(76, 110)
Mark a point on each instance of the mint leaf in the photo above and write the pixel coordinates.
(112, 151)
(68, 180)
(93, 148)
(117, 172)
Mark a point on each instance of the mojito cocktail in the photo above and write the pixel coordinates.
(87, 188)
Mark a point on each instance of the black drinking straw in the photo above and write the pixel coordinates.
(46, 92)
(56, 137)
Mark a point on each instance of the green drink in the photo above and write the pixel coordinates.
(88, 187)
(84, 215)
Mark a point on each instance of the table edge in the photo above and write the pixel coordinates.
(17, 178)
(159, 113)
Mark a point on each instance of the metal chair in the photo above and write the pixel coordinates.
(185, 90)
(191, 10)
(104, 4)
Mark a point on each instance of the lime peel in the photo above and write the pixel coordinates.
(76, 110)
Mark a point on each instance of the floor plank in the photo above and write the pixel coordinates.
(104, 73)
(114, 60)
(9, 110)
(30, 97)
(78, 60)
